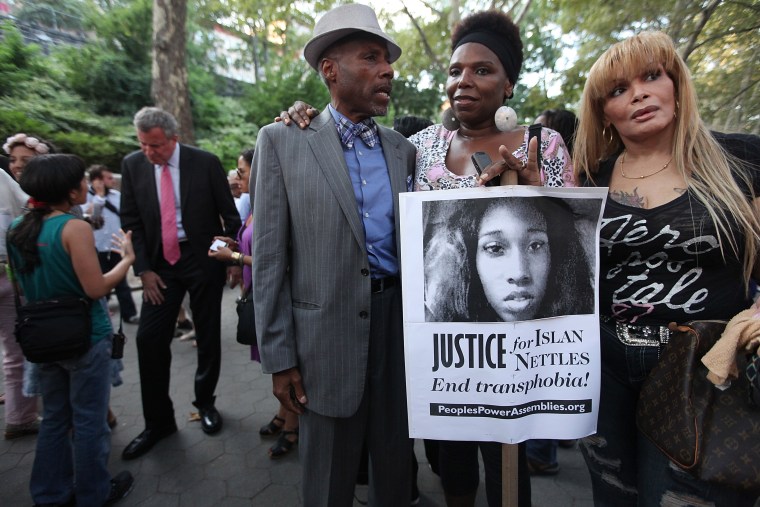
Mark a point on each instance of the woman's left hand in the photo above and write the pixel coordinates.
(527, 173)
(122, 245)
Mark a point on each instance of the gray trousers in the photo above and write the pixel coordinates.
(330, 447)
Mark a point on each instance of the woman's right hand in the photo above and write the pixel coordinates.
(300, 112)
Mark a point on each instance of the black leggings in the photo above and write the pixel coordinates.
(460, 474)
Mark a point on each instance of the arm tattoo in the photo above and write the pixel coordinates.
(632, 199)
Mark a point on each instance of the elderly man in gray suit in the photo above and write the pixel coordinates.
(327, 293)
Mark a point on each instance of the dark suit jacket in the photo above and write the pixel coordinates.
(208, 208)
(312, 290)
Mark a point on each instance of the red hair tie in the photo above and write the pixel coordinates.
(34, 203)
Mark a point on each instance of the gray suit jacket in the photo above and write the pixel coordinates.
(311, 280)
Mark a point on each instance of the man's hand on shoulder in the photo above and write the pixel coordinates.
(299, 113)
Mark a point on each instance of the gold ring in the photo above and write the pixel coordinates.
(523, 163)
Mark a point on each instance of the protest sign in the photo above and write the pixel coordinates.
(501, 328)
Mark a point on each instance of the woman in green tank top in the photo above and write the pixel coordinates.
(54, 254)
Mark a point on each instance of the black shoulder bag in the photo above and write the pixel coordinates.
(53, 329)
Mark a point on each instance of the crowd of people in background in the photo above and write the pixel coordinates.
(327, 299)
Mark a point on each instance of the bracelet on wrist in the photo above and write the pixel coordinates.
(238, 258)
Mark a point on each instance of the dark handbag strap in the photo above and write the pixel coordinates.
(16, 295)
(108, 205)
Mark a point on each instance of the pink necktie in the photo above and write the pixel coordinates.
(168, 218)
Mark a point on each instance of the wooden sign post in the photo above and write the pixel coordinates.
(509, 451)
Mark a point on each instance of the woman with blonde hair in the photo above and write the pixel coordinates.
(678, 242)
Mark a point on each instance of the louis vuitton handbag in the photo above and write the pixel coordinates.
(712, 434)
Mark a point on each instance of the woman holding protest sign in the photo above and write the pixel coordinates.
(679, 242)
(485, 64)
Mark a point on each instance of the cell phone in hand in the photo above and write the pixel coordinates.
(535, 131)
(481, 161)
(217, 244)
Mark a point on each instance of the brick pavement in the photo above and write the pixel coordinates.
(232, 468)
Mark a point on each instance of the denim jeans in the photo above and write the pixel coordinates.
(74, 440)
(626, 468)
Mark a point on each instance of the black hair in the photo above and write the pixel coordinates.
(48, 179)
(498, 25)
(409, 125)
(569, 270)
(96, 171)
(563, 121)
(248, 155)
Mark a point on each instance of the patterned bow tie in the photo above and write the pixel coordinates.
(366, 129)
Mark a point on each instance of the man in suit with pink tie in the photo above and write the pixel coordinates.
(175, 199)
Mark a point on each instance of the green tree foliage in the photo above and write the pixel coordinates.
(57, 14)
(292, 80)
(18, 62)
(39, 103)
(112, 71)
(720, 40)
(84, 98)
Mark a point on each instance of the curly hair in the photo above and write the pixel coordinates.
(462, 297)
(496, 24)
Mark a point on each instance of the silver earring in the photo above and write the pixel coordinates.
(449, 120)
(505, 118)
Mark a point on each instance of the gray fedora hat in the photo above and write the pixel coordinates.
(340, 22)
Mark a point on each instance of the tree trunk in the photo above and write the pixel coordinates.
(169, 87)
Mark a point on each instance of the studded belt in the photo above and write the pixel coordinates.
(637, 335)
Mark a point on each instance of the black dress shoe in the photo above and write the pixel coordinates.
(211, 420)
(146, 440)
(121, 486)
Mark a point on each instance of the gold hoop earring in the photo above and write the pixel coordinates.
(605, 131)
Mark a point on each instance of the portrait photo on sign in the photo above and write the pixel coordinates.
(508, 258)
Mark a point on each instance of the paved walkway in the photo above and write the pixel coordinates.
(232, 468)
